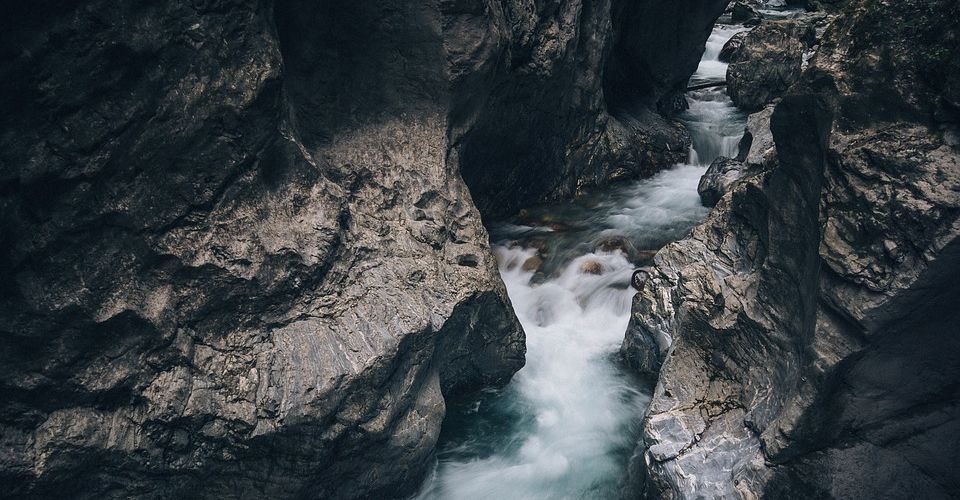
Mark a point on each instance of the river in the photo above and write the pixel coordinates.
(564, 427)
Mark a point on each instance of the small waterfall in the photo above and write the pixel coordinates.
(567, 423)
(714, 123)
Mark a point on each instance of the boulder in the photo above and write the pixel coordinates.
(718, 178)
(743, 13)
(766, 64)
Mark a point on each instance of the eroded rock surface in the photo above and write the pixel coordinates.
(805, 329)
(765, 64)
(237, 259)
(718, 179)
(573, 99)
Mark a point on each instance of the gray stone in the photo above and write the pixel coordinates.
(718, 179)
(238, 260)
(810, 318)
(766, 64)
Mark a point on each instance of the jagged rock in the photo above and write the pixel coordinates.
(238, 260)
(718, 178)
(242, 260)
(606, 64)
(766, 64)
(818, 361)
(762, 150)
(731, 51)
(639, 278)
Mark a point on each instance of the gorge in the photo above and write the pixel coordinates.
(480, 249)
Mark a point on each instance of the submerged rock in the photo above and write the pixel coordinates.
(591, 267)
(532, 264)
(620, 244)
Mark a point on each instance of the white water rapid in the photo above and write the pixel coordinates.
(565, 425)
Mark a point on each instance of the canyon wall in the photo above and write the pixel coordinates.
(238, 254)
(236, 258)
(805, 333)
(572, 101)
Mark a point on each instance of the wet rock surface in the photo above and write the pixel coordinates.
(239, 256)
(743, 13)
(731, 49)
(805, 341)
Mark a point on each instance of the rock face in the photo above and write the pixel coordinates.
(731, 49)
(238, 259)
(766, 64)
(718, 179)
(805, 329)
(570, 97)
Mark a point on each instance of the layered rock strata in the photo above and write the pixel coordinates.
(238, 259)
(805, 329)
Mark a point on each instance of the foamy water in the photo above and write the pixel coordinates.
(566, 424)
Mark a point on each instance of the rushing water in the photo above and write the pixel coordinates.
(565, 425)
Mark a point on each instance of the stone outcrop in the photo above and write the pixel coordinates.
(743, 13)
(573, 101)
(766, 63)
(805, 329)
(757, 147)
(731, 49)
(718, 179)
(238, 259)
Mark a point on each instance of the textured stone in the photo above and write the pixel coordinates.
(812, 326)
(731, 50)
(572, 101)
(238, 259)
(766, 64)
(762, 150)
(718, 179)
